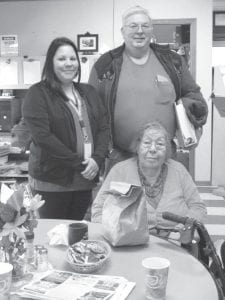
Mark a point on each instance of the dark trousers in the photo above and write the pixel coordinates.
(65, 205)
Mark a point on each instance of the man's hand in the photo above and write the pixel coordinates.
(196, 111)
(198, 133)
(91, 169)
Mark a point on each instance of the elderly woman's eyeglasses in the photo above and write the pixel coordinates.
(135, 27)
(158, 145)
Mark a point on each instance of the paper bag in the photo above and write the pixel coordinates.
(186, 132)
(124, 217)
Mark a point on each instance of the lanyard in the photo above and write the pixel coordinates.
(78, 108)
(77, 104)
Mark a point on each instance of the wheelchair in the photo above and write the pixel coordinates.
(204, 250)
(195, 238)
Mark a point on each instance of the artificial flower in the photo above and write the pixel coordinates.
(17, 216)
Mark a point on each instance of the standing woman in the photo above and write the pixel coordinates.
(69, 133)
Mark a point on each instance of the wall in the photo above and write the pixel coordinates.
(218, 5)
(218, 60)
(178, 9)
(38, 22)
(218, 160)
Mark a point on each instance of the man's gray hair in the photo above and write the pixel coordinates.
(133, 11)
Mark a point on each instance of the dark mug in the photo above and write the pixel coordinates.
(77, 231)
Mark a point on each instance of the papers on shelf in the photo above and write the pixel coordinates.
(8, 72)
(9, 45)
(62, 285)
(31, 71)
(6, 97)
(6, 193)
(186, 132)
(4, 152)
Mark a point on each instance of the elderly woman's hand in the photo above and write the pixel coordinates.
(91, 169)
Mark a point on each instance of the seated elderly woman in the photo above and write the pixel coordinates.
(166, 183)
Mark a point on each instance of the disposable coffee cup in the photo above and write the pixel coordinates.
(5, 280)
(156, 269)
(77, 231)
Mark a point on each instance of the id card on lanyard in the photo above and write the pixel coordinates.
(87, 144)
(87, 150)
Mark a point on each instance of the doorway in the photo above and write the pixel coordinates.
(180, 34)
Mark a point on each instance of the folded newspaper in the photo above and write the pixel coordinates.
(186, 132)
(63, 285)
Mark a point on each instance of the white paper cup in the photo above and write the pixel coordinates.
(157, 269)
(5, 279)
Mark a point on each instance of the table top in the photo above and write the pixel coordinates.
(188, 278)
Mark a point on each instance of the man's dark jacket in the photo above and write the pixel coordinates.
(105, 77)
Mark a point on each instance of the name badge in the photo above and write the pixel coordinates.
(87, 150)
(161, 79)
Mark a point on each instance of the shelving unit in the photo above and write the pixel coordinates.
(17, 74)
(5, 114)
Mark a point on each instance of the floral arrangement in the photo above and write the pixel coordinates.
(17, 216)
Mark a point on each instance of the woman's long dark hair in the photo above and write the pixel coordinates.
(48, 73)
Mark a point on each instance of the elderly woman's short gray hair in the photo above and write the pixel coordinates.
(156, 125)
(133, 11)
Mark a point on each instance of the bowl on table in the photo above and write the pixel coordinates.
(88, 256)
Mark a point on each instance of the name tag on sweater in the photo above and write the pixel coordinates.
(161, 79)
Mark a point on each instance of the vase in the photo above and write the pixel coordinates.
(19, 267)
(15, 254)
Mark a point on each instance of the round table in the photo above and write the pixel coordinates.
(188, 278)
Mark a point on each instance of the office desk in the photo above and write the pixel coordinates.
(188, 278)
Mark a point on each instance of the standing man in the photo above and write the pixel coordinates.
(139, 83)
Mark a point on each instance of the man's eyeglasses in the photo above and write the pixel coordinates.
(135, 27)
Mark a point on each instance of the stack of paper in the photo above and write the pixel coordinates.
(186, 132)
(63, 285)
(4, 152)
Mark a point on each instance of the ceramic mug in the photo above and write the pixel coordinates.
(77, 231)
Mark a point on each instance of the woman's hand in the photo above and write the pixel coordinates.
(175, 235)
(91, 169)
